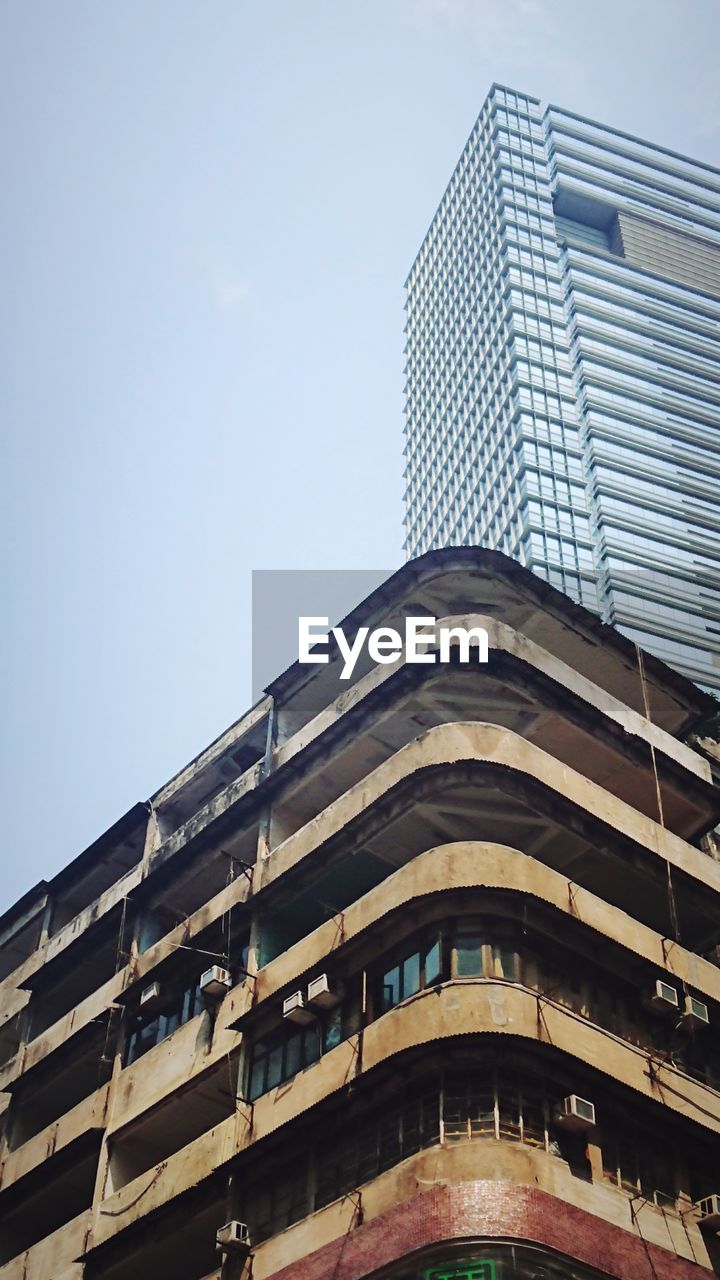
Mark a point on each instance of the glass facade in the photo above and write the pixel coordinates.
(563, 371)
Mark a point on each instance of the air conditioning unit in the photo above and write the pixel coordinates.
(664, 998)
(150, 995)
(576, 1113)
(295, 1010)
(695, 1013)
(215, 982)
(324, 993)
(709, 1212)
(234, 1237)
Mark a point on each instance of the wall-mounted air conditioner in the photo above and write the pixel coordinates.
(664, 998)
(295, 1010)
(576, 1113)
(150, 995)
(234, 1238)
(709, 1212)
(695, 1013)
(215, 982)
(324, 993)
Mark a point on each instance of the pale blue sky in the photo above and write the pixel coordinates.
(208, 211)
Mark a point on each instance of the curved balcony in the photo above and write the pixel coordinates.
(472, 1014)
(470, 780)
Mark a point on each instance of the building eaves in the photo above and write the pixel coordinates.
(677, 704)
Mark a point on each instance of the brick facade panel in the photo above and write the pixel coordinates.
(488, 1210)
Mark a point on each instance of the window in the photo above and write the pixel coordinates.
(640, 1167)
(277, 1203)
(469, 947)
(178, 1007)
(468, 1111)
(374, 1144)
(378, 1144)
(476, 957)
(279, 1056)
(504, 1106)
(506, 1102)
(420, 969)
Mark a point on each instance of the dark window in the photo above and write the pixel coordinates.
(415, 971)
(636, 1164)
(391, 988)
(469, 960)
(506, 1105)
(377, 1144)
(178, 1008)
(280, 1056)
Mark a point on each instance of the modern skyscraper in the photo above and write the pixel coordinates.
(411, 976)
(563, 371)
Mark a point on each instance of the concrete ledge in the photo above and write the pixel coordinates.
(180, 1172)
(484, 1191)
(477, 864)
(50, 1258)
(70, 933)
(485, 1006)
(504, 639)
(174, 1063)
(54, 1037)
(472, 1007)
(57, 1035)
(442, 745)
(86, 1115)
(478, 742)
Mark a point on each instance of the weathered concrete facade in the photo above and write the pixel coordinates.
(445, 898)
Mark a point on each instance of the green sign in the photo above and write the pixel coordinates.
(463, 1271)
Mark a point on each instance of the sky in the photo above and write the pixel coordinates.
(209, 209)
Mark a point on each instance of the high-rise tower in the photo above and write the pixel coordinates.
(563, 371)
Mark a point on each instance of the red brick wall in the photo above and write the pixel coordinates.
(489, 1209)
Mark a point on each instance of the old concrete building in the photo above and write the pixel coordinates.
(417, 978)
